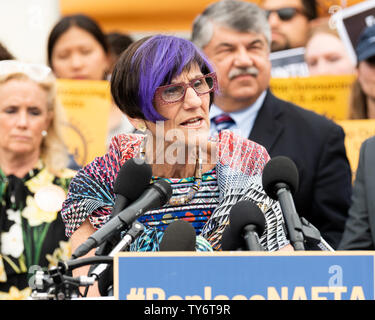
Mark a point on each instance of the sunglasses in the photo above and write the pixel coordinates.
(371, 61)
(36, 72)
(176, 92)
(285, 14)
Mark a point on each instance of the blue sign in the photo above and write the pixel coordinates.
(244, 275)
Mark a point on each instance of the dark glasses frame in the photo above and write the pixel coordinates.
(370, 60)
(158, 92)
(286, 14)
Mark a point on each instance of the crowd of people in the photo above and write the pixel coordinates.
(204, 106)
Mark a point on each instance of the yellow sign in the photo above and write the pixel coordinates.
(87, 105)
(356, 132)
(326, 95)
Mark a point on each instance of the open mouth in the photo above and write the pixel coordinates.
(193, 123)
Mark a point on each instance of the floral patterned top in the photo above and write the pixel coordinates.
(32, 233)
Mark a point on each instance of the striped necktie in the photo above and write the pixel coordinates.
(223, 121)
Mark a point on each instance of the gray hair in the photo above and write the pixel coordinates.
(238, 15)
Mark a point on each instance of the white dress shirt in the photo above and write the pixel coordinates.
(244, 119)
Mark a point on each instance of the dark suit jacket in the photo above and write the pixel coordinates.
(316, 145)
(360, 227)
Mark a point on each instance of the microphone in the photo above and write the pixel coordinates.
(246, 226)
(178, 236)
(280, 180)
(132, 180)
(153, 197)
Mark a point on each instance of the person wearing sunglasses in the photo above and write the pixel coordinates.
(236, 37)
(362, 100)
(33, 176)
(289, 21)
(165, 86)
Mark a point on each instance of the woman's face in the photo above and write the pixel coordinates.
(78, 55)
(327, 55)
(188, 120)
(366, 76)
(23, 116)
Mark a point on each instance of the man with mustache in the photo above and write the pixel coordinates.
(236, 37)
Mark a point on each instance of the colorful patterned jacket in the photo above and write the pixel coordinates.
(239, 168)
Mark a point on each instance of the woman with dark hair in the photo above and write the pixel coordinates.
(78, 49)
(164, 85)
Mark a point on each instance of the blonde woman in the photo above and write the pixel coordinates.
(33, 176)
(325, 53)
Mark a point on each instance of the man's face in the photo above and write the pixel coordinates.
(241, 60)
(290, 32)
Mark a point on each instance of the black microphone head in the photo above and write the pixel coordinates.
(244, 213)
(132, 179)
(165, 190)
(178, 236)
(280, 169)
(230, 242)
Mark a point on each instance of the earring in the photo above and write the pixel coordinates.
(44, 133)
(142, 127)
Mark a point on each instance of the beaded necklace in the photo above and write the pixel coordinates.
(181, 199)
(186, 198)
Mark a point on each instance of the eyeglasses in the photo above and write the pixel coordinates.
(371, 61)
(36, 72)
(285, 14)
(176, 92)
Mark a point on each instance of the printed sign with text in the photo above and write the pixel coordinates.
(244, 275)
(87, 106)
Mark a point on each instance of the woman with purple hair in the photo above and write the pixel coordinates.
(165, 86)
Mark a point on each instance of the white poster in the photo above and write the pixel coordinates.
(25, 26)
(351, 21)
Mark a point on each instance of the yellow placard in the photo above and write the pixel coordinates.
(326, 95)
(87, 105)
(356, 131)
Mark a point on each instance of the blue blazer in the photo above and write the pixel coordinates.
(360, 226)
(316, 145)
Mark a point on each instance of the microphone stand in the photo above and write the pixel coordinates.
(303, 235)
(135, 231)
(292, 218)
(55, 285)
(313, 239)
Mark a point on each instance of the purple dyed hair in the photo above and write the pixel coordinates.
(158, 60)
